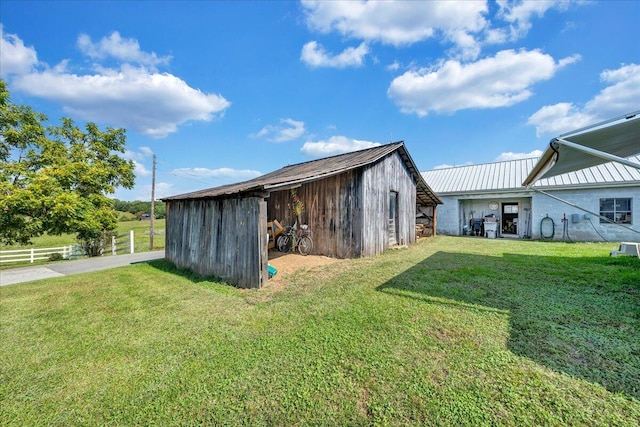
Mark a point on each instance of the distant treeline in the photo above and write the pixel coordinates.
(139, 208)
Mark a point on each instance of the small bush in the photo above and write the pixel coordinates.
(55, 256)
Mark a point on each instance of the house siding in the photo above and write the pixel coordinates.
(454, 213)
(587, 228)
(464, 189)
(449, 217)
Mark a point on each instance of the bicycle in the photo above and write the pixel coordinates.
(294, 239)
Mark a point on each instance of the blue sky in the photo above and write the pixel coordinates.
(224, 91)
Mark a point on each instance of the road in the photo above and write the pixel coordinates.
(27, 274)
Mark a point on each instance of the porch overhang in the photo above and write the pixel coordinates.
(610, 141)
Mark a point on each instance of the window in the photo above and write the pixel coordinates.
(511, 208)
(617, 210)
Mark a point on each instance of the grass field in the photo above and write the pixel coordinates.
(451, 331)
(141, 233)
(141, 241)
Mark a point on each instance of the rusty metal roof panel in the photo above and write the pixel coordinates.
(300, 173)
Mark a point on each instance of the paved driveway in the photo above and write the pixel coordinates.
(27, 274)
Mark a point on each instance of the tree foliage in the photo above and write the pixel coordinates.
(56, 179)
(138, 207)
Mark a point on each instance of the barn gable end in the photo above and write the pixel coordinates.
(382, 182)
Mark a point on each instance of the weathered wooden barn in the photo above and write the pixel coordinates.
(357, 204)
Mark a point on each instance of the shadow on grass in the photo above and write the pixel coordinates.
(580, 316)
(169, 267)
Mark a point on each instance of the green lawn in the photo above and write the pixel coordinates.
(141, 233)
(449, 332)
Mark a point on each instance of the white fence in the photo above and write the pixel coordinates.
(119, 244)
(36, 254)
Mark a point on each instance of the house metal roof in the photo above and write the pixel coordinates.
(509, 176)
(298, 174)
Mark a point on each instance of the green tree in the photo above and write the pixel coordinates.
(138, 207)
(56, 179)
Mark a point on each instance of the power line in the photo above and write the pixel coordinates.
(190, 179)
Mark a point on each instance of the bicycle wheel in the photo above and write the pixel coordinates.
(305, 245)
(283, 243)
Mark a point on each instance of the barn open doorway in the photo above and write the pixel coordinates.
(510, 219)
(393, 218)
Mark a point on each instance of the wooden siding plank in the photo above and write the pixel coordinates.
(333, 209)
(263, 242)
(389, 174)
(219, 237)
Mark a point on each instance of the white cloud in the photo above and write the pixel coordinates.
(222, 173)
(151, 103)
(519, 14)
(15, 57)
(114, 46)
(315, 55)
(287, 130)
(132, 155)
(163, 189)
(140, 169)
(516, 156)
(496, 36)
(395, 66)
(335, 145)
(619, 97)
(146, 151)
(130, 96)
(135, 155)
(500, 81)
(466, 46)
(143, 192)
(466, 25)
(198, 178)
(622, 94)
(137, 158)
(447, 166)
(443, 166)
(559, 118)
(394, 22)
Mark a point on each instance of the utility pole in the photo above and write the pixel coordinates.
(153, 202)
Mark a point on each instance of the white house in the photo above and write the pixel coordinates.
(563, 207)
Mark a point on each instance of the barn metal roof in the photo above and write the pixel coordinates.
(298, 174)
(509, 176)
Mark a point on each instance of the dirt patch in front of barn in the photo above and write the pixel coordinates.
(291, 262)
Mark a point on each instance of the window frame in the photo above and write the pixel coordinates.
(614, 213)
